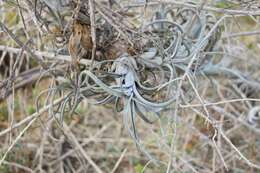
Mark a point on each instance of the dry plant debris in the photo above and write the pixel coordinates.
(153, 63)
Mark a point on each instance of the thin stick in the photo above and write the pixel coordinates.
(49, 55)
(87, 157)
(119, 161)
(205, 8)
(93, 29)
(21, 44)
(238, 152)
(19, 166)
(92, 138)
(220, 102)
(35, 116)
(239, 34)
(218, 151)
(31, 117)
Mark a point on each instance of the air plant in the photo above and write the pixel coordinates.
(146, 83)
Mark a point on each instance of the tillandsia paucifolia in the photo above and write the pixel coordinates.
(139, 81)
(140, 84)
